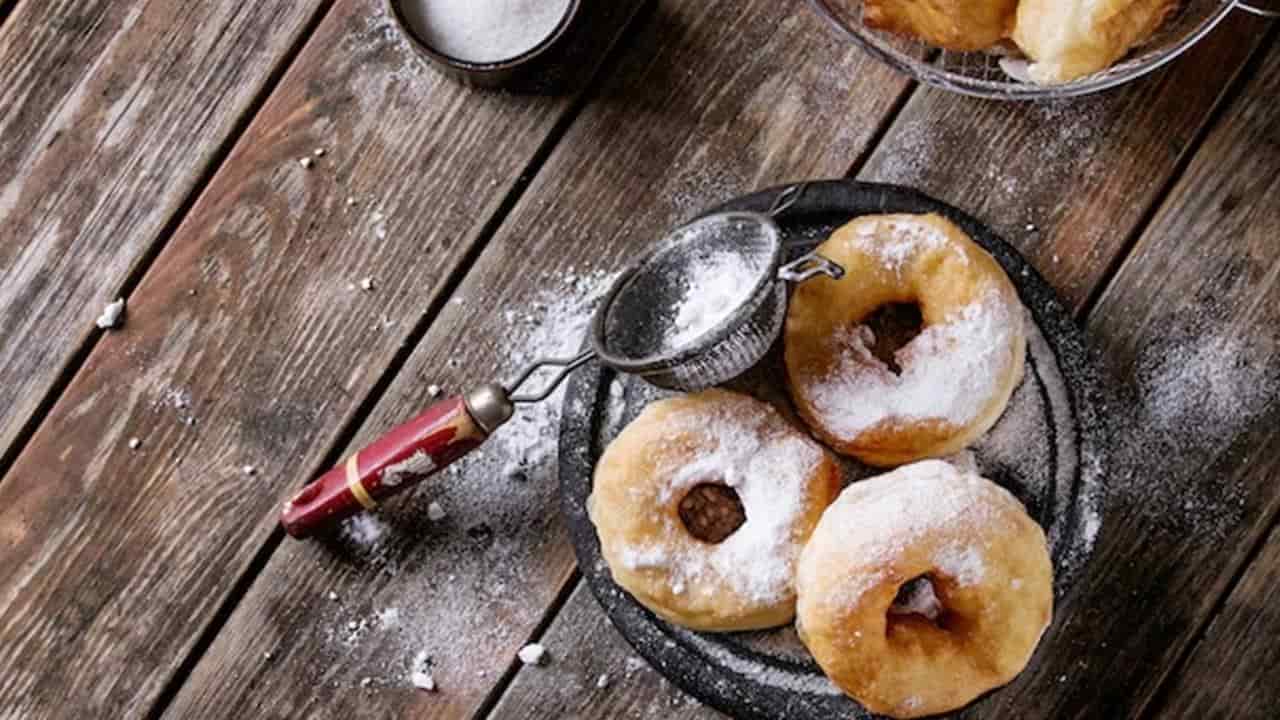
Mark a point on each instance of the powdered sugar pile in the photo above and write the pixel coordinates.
(948, 372)
(713, 291)
(765, 468)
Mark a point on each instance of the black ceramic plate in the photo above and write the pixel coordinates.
(1048, 449)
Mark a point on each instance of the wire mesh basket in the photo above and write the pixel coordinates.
(983, 74)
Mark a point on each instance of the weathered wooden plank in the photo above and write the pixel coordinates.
(1231, 673)
(249, 345)
(593, 673)
(707, 102)
(1211, 259)
(110, 116)
(1066, 181)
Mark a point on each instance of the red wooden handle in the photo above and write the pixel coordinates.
(399, 460)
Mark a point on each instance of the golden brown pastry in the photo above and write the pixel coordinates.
(1068, 39)
(702, 505)
(950, 24)
(945, 386)
(922, 589)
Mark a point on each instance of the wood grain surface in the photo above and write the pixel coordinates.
(593, 673)
(701, 107)
(1189, 327)
(249, 347)
(111, 114)
(1216, 241)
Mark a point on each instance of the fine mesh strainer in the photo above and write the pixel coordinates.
(632, 331)
(980, 73)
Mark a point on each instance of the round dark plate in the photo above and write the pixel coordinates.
(1048, 449)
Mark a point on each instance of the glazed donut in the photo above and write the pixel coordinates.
(702, 505)
(941, 390)
(922, 589)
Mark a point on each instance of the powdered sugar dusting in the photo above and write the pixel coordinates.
(769, 470)
(963, 563)
(1193, 393)
(895, 243)
(876, 520)
(496, 500)
(949, 372)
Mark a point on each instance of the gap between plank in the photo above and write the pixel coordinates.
(6, 9)
(499, 689)
(1225, 100)
(882, 130)
(148, 257)
(240, 589)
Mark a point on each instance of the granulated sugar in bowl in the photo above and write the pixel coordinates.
(484, 31)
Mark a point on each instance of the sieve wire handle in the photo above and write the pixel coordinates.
(810, 266)
(789, 196)
(563, 367)
(1264, 12)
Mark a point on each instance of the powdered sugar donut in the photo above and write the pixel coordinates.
(924, 588)
(940, 390)
(702, 505)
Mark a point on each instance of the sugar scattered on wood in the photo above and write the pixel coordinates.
(436, 512)
(249, 470)
(111, 315)
(602, 682)
(134, 443)
(423, 680)
(306, 162)
(333, 596)
(366, 284)
(433, 390)
(318, 152)
(532, 654)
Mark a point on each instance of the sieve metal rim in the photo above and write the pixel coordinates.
(1119, 74)
(660, 362)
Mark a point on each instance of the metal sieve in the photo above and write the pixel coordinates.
(980, 73)
(631, 332)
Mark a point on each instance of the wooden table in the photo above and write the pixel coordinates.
(151, 151)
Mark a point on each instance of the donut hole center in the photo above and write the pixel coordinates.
(711, 512)
(893, 325)
(917, 602)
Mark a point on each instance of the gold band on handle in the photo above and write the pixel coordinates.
(357, 487)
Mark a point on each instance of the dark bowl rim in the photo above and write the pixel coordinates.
(483, 69)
